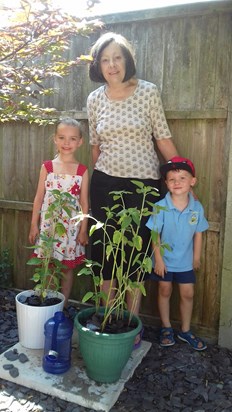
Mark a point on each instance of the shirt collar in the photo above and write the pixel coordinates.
(187, 209)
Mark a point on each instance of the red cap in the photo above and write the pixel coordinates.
(178, 163)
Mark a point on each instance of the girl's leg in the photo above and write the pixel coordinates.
(186, 305)
(164, 295)
(66, 285)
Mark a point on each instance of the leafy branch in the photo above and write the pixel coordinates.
(128, 269)
(32, 51)
(48, 271)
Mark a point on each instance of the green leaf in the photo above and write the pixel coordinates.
(109, 250)
(119, 272)
(87, 297)
(158, 208)
(68, 211)
(60, 229)
(162, 250)
(36, 277)
(142, 289)
(138, 242)
(97, 280)
(136, 217)
(116, 206)
(85, 271)
(117, 237)
(123, 255)
(125, 221)
(95, 227)
(138, 183)
(136, 259)
(34, 261)
(55, 192)
(69, 196)
(97, 242)
(154, 236)
(167, 246)
(147, 264)
(102, 295)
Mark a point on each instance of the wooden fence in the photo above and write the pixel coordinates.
(186, 51)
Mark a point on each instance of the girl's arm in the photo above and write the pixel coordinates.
(197, 245)
(38, 200)
(95, 153)
(160, 268)
(82, 237)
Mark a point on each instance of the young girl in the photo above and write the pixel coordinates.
(65, 174)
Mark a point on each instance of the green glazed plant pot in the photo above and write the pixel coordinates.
(104, 355)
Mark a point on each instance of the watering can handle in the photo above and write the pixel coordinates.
(58, 319)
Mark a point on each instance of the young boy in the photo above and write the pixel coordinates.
(180, 226)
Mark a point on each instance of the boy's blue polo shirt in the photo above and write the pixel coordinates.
(177, 229)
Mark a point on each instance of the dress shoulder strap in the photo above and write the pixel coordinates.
(48, 165)
(81, 169)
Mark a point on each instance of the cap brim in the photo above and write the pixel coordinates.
(167, 167)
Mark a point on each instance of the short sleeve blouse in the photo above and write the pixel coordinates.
(124, 131)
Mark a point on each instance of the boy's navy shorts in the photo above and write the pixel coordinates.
(177, 277)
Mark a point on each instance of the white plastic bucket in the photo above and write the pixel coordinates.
(31, 320)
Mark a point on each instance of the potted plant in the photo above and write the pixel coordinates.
(35, 307)
(104, 362)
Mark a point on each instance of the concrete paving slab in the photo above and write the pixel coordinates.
(74, 385)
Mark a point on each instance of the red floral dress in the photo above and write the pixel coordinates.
(66, 248)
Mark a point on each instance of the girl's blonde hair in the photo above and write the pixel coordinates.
(68, 121)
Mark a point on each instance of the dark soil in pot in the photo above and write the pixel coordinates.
(35, 300)
(114, 325)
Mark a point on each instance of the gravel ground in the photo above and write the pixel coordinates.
(175, 379)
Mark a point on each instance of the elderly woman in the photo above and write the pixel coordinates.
(125, 115)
